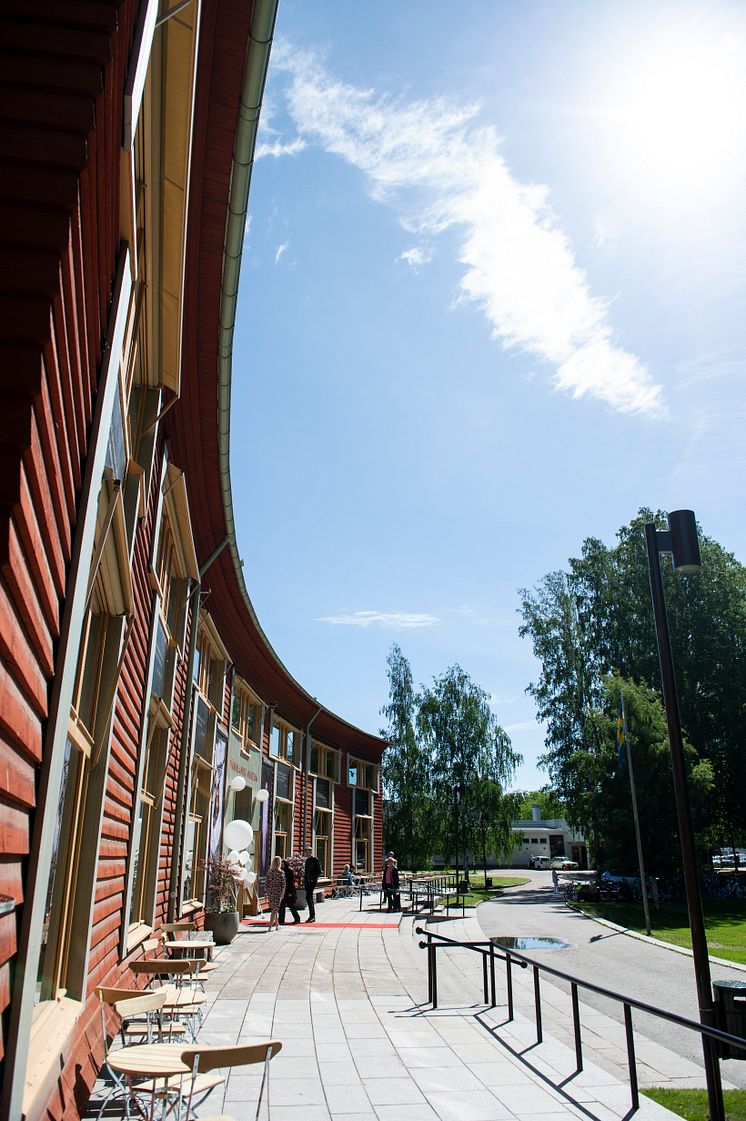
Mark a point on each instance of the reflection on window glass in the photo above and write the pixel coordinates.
(274, 743)
(283, 782)
(136, 865)
(322, 793)
(44, 965)
(116, 452)
(159, 660)
(187, 882)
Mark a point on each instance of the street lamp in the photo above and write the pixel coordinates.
(681, 541)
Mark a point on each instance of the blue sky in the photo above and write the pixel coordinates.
(492, 302)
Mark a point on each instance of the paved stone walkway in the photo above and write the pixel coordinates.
(346, 997)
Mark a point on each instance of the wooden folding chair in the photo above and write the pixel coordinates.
(182, 1001)
(204, 1059)
(186, 928)
(136, 1011)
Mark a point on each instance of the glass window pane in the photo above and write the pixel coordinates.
(322, 793)
(283, 782)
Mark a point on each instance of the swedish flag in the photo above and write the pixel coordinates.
(621, 732)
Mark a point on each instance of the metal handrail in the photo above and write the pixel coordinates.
(490, 953)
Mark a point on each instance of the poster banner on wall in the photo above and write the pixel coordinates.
(218, 793)
(268, 776)
(244, 764)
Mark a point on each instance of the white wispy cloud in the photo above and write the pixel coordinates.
(280, 250)
(276, 148)
(522, 726)
(416, 257)
(438, 169)
(388, 620)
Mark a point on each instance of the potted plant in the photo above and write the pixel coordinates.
(297, 865)
(224, 878)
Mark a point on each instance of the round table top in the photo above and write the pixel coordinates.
(184, 998)
(152, 1060)
(190, 943)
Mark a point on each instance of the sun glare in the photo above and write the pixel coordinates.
(676, 111)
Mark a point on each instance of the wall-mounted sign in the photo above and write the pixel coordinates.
(247, 764)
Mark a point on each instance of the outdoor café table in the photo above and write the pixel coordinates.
(203, 945)
(155, 1061)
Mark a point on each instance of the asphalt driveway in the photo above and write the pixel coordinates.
(631, 966)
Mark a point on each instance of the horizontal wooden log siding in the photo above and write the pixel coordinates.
(62, 72)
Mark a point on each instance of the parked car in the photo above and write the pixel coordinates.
(562, 864)
(541, 862)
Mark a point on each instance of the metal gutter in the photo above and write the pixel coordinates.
(261, 33)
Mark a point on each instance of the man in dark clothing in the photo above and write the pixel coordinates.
(311, 873)
(290, 897)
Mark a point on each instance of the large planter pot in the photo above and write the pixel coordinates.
(223, 924)
(300, 901)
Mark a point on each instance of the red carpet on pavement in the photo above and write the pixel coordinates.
(329, 925)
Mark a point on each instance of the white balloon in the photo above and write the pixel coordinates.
(233, 856)
(238, 834)
(250, 877)
(262, 795)
(245, 877)
(238, 783)
(243, 858)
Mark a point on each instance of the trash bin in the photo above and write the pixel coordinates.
(487, 882)
(730, 1007)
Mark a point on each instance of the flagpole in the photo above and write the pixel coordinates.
(643, 885)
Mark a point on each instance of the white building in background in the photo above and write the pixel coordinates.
(536, 838)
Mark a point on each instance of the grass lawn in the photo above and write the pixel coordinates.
(478, 894)
(725, 924)
(692, 1104)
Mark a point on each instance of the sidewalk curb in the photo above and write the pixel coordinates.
(654, 941)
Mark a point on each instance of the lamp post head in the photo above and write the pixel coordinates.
(684, 541)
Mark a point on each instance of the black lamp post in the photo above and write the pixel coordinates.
(681, 541)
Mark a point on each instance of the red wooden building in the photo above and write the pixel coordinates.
(135, 679)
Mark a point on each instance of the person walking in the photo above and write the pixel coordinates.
(390, 881)
(555, 881)
(290, 898)
(275, 891)
(311, 873)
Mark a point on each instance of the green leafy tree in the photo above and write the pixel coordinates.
(596, 619)
(407, 806)
(607, 807)
(467, 747)
(493, 812)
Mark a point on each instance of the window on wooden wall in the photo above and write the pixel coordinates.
(196, 836)
(145, 841)
(283, 810)
(246, 716)
(284, 743)
(325, 761)
(322, 825)
(210, 680)
(109, 603)
(362, 774)
(174, 563)
(363, 847)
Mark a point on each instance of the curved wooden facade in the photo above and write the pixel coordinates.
(128, 696)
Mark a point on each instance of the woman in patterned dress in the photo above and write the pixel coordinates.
(275, 891)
